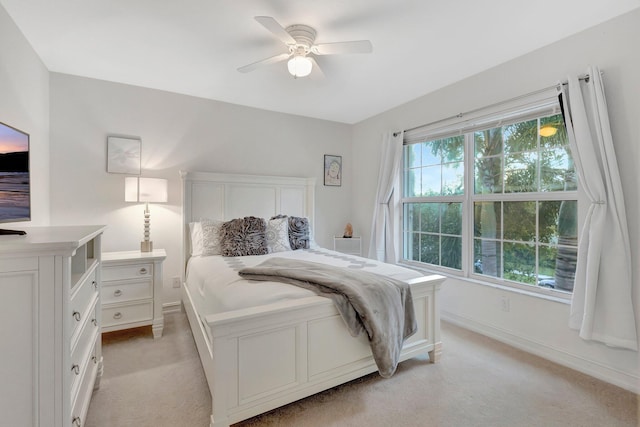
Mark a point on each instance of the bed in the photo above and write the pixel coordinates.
(260, 354)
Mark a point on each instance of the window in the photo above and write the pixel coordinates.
(496, 201)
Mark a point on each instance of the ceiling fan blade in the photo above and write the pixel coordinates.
(316, 70)
(358, 46)
(268, 61)
(278, 30)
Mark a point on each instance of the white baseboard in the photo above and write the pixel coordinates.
(595, 369)
(171, 307)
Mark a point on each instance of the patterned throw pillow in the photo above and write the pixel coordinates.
(244, 236)
(211, 237)
(299, 232)
(277, 235)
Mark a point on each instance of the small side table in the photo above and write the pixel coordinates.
(348, 245)
(132, 290)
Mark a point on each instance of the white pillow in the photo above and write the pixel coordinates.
(211, 237)
(195, 232)
(277, 234)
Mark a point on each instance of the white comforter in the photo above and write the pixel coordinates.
(216, 286)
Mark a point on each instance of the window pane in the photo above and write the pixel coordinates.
(431, 181)
(547, 266)
(488, 175)
(553, 132)
(411, 183)
(487, 257)
(520, 262)
(430, 249)
(450, 149)
(412, 246)
(566, 261)
(520, 221)
(430, 217)
(487, 220)
(430, 155)
(558, 222)
(520, 173)
(520, 137)
(452, 252)
(412, 217)
(412, 155)
(453, 178)
(557, 171)
(487, 143)
(452, 218)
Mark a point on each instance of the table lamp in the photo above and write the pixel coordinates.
(138, 189)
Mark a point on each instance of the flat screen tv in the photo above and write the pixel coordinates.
(15, 188)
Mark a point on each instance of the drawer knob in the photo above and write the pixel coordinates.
(94, 321)
(76, 369)
(95, 284)
(118, 315)
(143, 270)
(77, 316)
(117, 293)
(76, 422)
(94, 359)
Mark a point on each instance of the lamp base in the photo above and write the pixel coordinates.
(146, 246)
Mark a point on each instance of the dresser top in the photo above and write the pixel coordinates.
(47, 239)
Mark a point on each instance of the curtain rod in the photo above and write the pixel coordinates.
(584, 77)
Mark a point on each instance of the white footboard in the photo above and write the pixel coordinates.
(264, 357)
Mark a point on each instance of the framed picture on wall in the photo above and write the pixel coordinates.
(332, 170)
(123, 155)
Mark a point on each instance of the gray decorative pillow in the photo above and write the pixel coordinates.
(244, 236)
(299, 232)
(278, 235)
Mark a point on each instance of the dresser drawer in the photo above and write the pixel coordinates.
(80, 398)
(128, 313)
(126, 291)
(82, 300)
(81, 352)
(125, 272)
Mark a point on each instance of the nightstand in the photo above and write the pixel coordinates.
(348, 245)
(132, 290)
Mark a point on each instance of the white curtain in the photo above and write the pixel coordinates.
(601, 306)
(381, 244)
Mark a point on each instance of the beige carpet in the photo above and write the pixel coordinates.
(479, 382)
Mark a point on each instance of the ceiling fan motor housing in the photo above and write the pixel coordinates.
(304, 36)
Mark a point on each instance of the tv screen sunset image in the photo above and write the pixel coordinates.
(14, 175)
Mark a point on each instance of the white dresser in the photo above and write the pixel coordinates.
(132, 290)
(51, 357)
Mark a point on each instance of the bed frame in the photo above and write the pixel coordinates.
(260, 358)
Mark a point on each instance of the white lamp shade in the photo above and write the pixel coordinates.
(138, 189)
(299, 66)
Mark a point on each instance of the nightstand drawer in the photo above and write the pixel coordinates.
(124, 272)
(129, 313)
(122, 292)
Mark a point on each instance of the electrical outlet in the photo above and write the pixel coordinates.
(504, 304)
(176, 282)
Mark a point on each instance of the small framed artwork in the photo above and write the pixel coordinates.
(332, 170)
(123, 155)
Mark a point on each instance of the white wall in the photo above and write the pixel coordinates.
(532, 323)
(24, 104)
(178, 132)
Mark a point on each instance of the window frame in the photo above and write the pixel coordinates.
(535, 106)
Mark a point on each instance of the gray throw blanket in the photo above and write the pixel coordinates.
(379, 305)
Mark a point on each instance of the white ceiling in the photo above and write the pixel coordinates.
(195, 46)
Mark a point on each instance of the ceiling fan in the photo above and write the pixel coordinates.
(300, 41)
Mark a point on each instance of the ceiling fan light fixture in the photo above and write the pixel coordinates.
(299, 66)
(548, 130)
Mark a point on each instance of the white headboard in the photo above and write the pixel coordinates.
(227, 196)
